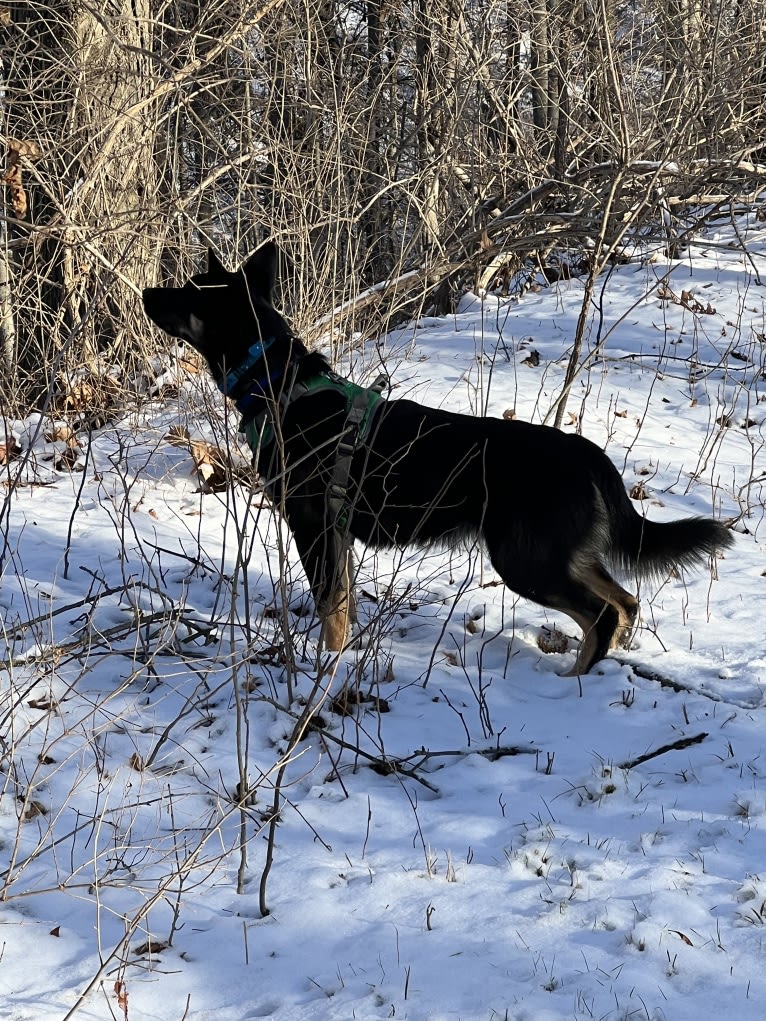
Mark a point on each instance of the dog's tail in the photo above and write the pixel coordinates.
(651, 549)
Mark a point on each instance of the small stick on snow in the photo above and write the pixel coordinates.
(674, 746)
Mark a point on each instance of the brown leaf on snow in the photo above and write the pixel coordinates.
(151, 946)
(191, 362)
(687, 300)
(60, 432)
(553, 641)
(682, 936)
(32, 809)
(178, 436)
(347, 701)
(638, 492)
(214, 466)
(9, 450)
(121, 992)
(68, 460)
(92, 393)
(42, 703)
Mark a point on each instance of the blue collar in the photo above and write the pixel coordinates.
(251, 399)
(231, 380)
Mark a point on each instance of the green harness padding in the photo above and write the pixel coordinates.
(361, 403)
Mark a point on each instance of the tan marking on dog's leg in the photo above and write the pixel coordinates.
(335, 630)
(587, 642)
(603, 585)
(340, 613)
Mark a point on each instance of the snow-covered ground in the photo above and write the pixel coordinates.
(478, 838)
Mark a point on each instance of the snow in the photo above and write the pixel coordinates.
(545, 848)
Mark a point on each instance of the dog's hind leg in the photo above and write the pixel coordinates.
(603, 585)
(605, 611)
(598, 619)
(581, 589)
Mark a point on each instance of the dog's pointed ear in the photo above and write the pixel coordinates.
(261, 271)
(215, 268)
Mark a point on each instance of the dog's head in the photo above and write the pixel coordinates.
(219, 313)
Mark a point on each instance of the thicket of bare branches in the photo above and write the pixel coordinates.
(391, 147)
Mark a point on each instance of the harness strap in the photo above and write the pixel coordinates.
(358, 420)
(360, 404)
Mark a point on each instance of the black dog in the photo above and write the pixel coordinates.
(550, 507)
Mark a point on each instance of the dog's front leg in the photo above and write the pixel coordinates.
(338, 612)
(327, 561)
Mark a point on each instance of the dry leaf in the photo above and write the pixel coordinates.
(32, 809)
(13, 174)
(212, 464)
(346, 701)
(61, 433)
(178, 436)
(191, 362)
(151, 946)
(121, 992)
(41, 703)
(9, 450)
(92, 396)
(68, 460)
(554, 641)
